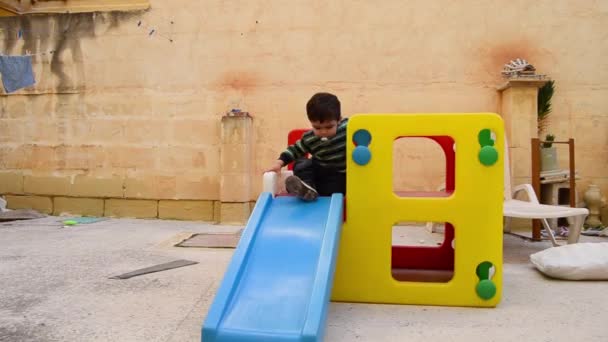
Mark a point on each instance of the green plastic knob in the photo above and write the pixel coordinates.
(483, 270)
(488, 155)
(70, 222)
(486, 289)
(485, 138)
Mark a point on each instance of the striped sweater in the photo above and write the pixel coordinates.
(330, 154)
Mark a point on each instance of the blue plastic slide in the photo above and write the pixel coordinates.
(278, 284)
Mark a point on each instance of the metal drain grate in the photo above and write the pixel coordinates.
(212, 240)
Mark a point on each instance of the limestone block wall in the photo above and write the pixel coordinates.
(122, 122)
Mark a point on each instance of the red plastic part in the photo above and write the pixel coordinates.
(426, 258)
(416, 257)
(294, 136)
(432, 258)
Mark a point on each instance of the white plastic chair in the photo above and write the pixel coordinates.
(532, 209)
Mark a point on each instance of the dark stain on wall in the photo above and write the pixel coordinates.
(492, 56)
(60, 33)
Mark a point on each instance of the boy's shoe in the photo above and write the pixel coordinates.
(298, 187)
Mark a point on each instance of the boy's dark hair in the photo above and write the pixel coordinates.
(323, 107)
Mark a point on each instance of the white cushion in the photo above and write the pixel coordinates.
(574, 262)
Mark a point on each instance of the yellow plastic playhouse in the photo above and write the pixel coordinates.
(471, 207)
(279, 281)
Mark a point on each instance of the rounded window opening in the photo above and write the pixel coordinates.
(422, 251)
(424, 166)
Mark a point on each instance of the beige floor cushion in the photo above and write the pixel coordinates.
(577, 261)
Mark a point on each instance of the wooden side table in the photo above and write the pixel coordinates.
(536, 179)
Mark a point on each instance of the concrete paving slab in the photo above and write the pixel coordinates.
(55, 287)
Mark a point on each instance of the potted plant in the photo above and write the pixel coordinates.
(548, 153)
(545, 94)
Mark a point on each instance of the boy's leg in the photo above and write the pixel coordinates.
(302, 183)
(331, 183)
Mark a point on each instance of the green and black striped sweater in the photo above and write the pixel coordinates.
(329, 154)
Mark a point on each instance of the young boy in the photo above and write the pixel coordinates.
(325, 173)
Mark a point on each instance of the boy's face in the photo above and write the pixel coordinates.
(325, 129)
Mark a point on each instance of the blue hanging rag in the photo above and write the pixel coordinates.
(16, 72)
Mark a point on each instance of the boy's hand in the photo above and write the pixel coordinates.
(276, 167)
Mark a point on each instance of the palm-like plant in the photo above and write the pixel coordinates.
(545, 93)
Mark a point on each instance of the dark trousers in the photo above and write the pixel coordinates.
(325, 181)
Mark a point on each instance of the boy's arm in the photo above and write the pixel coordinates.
(293, 152)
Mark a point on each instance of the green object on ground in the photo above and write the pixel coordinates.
(83, 220)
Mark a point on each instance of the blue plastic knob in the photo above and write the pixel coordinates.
(362, 137)
(362, 155)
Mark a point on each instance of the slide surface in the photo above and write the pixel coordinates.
(278, 284)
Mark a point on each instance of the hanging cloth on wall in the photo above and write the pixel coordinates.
(16, 72)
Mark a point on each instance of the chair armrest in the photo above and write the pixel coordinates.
(527, 188)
